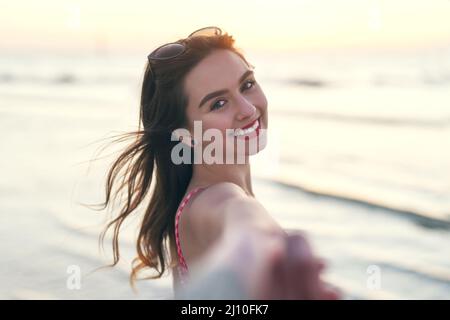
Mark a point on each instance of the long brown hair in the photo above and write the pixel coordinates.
(162, 109)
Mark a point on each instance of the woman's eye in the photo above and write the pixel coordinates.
(216, 105)
(252, 82)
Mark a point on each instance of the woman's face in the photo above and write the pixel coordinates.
(223, 94)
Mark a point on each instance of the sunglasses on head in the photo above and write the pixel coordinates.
(174, 49)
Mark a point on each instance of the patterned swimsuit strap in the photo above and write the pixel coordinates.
(177, 219)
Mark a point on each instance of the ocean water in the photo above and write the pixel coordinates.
(358, 157)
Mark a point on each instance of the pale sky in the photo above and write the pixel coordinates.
(136, 25)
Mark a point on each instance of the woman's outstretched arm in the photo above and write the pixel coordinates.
(248, 255)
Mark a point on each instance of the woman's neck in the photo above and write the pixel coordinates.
(207, 174)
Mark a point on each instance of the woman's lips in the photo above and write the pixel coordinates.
(250, 124)
(249, 131)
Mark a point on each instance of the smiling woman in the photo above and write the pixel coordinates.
(193, 207)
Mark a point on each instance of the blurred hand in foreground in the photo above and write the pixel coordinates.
(261, 265)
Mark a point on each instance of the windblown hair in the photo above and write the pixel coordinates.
(163, 105)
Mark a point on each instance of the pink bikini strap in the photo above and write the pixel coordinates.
(177, 219)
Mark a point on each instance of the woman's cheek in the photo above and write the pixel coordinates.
(262, 100)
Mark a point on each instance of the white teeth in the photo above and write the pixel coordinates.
(241, 132)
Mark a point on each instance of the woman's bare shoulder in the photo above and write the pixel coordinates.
(218, 193)
(204, 215)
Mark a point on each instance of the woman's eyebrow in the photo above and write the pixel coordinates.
(223, 91)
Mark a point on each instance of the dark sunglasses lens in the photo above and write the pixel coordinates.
(168, 51)
(209, 31)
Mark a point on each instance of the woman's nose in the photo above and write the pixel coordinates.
(245, 108)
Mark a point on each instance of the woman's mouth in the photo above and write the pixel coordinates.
(249, 130)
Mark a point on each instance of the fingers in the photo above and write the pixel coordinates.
(321, 263)
(277, 280)
(267, 272)
(330, 292)
(301, 272)
(286, 268)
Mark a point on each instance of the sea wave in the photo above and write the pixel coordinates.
(421, 218)
(68, 78)
(428, 123)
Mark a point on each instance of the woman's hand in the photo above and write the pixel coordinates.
(297, 274)
(275, 266)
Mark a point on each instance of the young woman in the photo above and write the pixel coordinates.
(195, 208)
